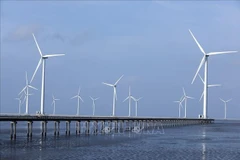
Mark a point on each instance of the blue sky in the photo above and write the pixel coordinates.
(147, 41)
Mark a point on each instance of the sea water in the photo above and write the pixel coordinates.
(218, 141)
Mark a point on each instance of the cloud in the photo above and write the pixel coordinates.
(80, 38)
(58, 36)
(23, 33)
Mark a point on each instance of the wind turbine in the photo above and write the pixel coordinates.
(185, 97)
(129, 97)
(225, 105)
(78, 98)
(136, 105)
(114, 93)
(209, 86)
(19, 103)
(54, 103)
(42, 61)
(180, 105)
(26, 91)
(94, 99)
(205, 62)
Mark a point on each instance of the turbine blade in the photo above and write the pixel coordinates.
(139, 98)
(81, 98)
(201, 63)
(53, 55)
(96, 98)
(108, 84)
(197, 43)
(125, 99)
(201, 78)
(224, 52)
(91, 98)
(22, 90)
(184, 93)
(133, 98)
(57, 99)
(37, 45)
(221, 99)
(39, 63)
(129, 90)
(74, 96)
(32, 87)
(118, 80)
(189, 97)
(214, 85)
(26, 77)
(24, 100)
(201, 96)
(79, 89)
(229, 100)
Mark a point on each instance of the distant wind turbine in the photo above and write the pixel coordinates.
(54, 103)
(114, 93)
(136, 104)
(129, 97)
(205, 61)
(26, 91)
(185, 97)
(209, 86)
(19, 103)
(225, 105)
(42, 61)
(93, 105)
(78, 98)
(179, 105)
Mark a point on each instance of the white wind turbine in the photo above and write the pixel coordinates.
(26, 91)
(185, 97)
(225, 105)
(78, 98)
(93, 105)
(136, 105)
(129, 97)
(209, 86)
(54, 103)
(114, 93)
(42, 61)
(19, 103)
(180, 105)
(205, 62)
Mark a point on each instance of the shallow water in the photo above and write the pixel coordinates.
(215, 141)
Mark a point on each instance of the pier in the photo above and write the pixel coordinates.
(96, 124)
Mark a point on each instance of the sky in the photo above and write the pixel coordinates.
(146, 41)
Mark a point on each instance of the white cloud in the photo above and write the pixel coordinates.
(22, 33)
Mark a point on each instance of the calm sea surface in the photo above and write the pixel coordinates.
(215, 141)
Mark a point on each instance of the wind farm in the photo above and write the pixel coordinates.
(118, 80)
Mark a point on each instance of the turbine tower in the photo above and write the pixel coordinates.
(26, 91)
(180, 105)
(129, 97)
(93, 105)
(205, 62)
(54, 103)
(78, 98)
(185, 97)
(136, 105)
(209, 86)
(114, 93)
(42, 61)
(225, 105)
